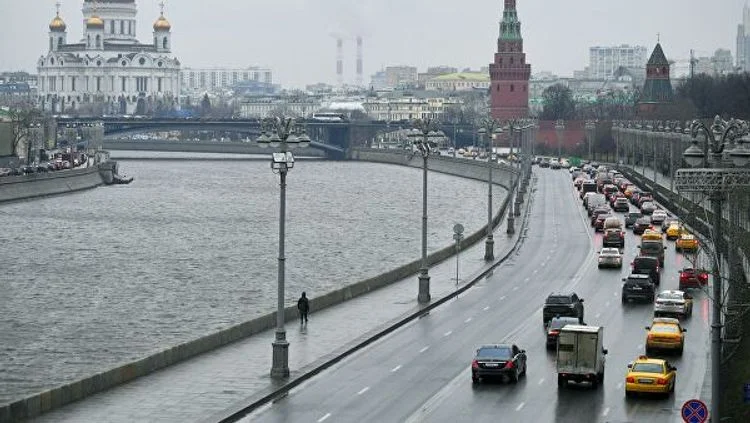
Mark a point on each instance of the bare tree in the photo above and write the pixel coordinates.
(22, 117)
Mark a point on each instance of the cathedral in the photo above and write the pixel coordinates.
(108, 71)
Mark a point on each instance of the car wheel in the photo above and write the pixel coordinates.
(629, 394)
(474, 380)
(624, 299)
(514, 377)
(524, 369)
(674, 382)
(679, 351)
(601, 377)
(561, 382)
(648, 350)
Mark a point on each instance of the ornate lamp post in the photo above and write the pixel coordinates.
(716, 182)
(489, 127)
(284, 133)
(559, 130)
(590, 134)
(512, 128)
(424, 130)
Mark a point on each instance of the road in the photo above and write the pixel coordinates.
(422, 371)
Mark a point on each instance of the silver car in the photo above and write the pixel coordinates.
(610, 257)
(673, 303)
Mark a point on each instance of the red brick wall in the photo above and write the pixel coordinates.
(573, 134)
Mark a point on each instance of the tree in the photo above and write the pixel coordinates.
(558, 103)
(205, 105)
(22, 118)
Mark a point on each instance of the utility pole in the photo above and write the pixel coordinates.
(692, 64)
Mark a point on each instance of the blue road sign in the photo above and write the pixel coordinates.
(747, 392)
(694, 411)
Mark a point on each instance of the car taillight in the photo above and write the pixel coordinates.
(554, 332)
(650, 337)
(630, 379)
(622, 235)
(704, 276)
(661, 381)
(474, 364)
(509, 365)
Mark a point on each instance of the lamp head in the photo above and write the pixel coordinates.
(262, 140)
(740, 155)
(694, 155)
(274, 140)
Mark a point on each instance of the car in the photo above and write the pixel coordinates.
(651, 234)
(544, 162)
(613, 222)
(665, 333)
(554, 164)
(621, 204)
(614, 238)
(498, 360)
(599, 221)
(650, 376)
(669, 221)
(609, 188)
(562, 304)
(686, 242)
(631, 217)
(643, 199)
(603, 209)
(648, 207)
(673, 231)
(630, 190)
(610, 257)
(641, 224)
(658, 216)
(646, 265)
(29, 169)
(653, 248)
(693, 278)
(673, 303)
(638, 287)
(554, 326)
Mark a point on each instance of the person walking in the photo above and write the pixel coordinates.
(303, 305)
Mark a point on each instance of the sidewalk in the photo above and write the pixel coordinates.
(203, 388)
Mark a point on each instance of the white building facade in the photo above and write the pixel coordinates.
(108, 71)
(408, 108)
(217, 79)
(604, 61)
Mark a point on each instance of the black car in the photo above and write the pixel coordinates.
(641, 225)
(500, 360)
(643, 265)
(638, 286)
(562, 305)
(653, 249)
(631, 217)
(557, 323)
(614, 238)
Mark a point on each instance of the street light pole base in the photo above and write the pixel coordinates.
(517, 208)
(511, 230)
(489, 249)
(424, 287)
(280, 361)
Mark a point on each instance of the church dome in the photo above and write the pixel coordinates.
(162, 24)
(94, 22)
(57, 24)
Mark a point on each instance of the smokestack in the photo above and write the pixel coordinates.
(359, 61)
(340, 61)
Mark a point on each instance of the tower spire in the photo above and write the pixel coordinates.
(57, 6)
(161, 7)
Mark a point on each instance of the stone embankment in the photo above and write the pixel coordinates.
(23, 187)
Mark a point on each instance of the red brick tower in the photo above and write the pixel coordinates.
(510, 73)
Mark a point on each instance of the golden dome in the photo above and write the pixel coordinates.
(94, 22)
(162, 24)
(57, 24)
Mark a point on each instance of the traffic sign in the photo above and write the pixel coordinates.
(458, 228)
(694, 411)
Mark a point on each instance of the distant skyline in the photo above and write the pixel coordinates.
(295, 38)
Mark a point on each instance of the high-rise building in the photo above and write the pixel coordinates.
(743, 41)
(509, 72)
(604, 61)
(213, 79)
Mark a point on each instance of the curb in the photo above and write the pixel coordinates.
(237, 413)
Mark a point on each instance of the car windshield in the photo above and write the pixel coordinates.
(558, 323)
(610, 252)
(638, 281)
(558, 300)
(651, 247)
(648, 368)
(492, 352)
(641, 263)
(665, 328)
(644, 221)
(670, 296)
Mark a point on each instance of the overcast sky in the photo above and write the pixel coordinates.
(295, 38)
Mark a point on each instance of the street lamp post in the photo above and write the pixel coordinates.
(511, 220)
(489, 127)
(424, 129)
(559, 130)
(284, 135)
(716, 182)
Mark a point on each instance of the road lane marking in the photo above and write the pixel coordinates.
(541, 381)
(544, 264)
(448, 333)
(606, 411)
(597, 315)
(535, 270)
(515, 288)
(619, 385)
(640, 346)
(395, 369)
(324, 418)
(424, 349)
(467, 320)
(606, 304)
(520, 406)
(365, 389)
(616, 293)
(502, 298)
(526, 280)
(486, 308)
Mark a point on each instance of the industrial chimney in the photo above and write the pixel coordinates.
(359, 61)
(340, 61)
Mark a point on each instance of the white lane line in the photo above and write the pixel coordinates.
(447, 334)
(365, 389)
(535, 270)
(605, 412)
(467, 320)
(640, 346)
(486, 308)
(544, 264)
(520, 406)
(606, 304)
(424, 349)
(324, 418)
(616, 293)
(526, 280)
(619, 385)
(597, 315)
(395, 369)
(541, 381)
(515, 288)
(502, 298)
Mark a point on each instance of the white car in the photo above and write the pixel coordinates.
(673, 303)
(610, 257)
(658, 216)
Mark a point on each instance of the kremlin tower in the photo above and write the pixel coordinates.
(509, 73)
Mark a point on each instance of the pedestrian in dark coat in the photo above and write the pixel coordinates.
(304, 307)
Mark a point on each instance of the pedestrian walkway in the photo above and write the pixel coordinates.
(204, 387)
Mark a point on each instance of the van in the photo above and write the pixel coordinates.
(646, 265)
(588, 186)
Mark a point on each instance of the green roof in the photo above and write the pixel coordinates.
(466, 76)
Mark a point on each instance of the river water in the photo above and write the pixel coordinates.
(97, 278)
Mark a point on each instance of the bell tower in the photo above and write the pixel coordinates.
(509, 73)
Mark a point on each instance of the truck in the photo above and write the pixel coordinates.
(580, 355)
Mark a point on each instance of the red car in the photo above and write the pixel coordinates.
(693, 278)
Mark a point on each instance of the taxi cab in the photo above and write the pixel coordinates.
(651, 234)
(686, 242)
(650, 375)
(674, 231)
(629, 191)
(665, 333)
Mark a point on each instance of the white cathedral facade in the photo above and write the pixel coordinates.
(109, 71)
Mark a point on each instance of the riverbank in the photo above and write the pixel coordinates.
(36, 185)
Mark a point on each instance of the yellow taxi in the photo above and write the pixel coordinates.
(650, 375)
(629, 191)
(651, 234)
(665, 333)
(674, 231)
(686, 242)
